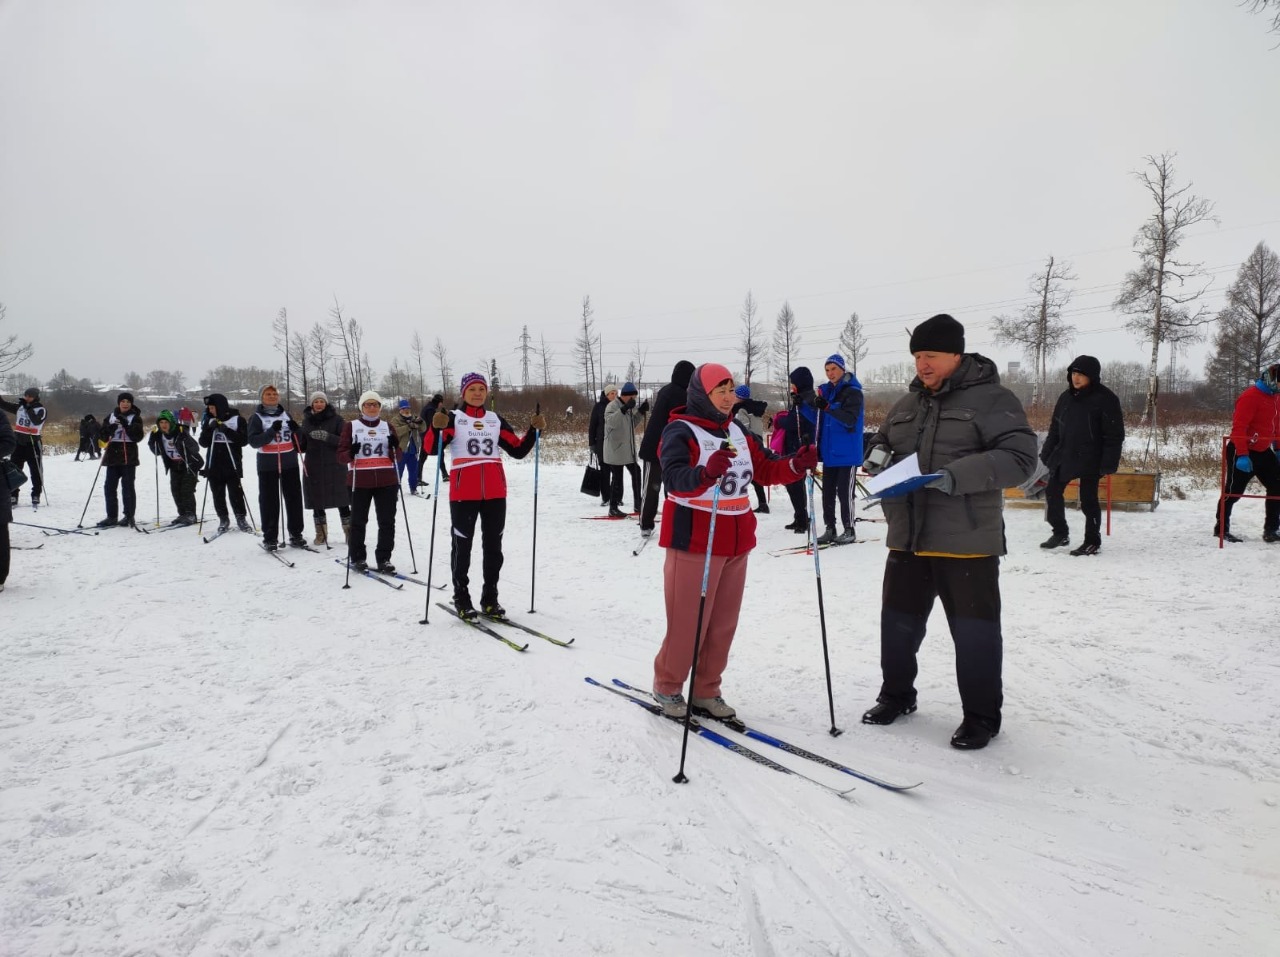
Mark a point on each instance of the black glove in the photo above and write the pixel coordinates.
(277, 427)
(644, 407)
(820, 403)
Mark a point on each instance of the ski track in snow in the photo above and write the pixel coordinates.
(204, 752)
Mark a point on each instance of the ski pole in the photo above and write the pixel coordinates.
(157, 524)
(435, 506)
(405, 508)
(101, 458)
(817, 575)
(351, 504)
(37, 448)
(537, 442)
(697, 636)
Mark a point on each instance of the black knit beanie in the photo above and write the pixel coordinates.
(940, 333)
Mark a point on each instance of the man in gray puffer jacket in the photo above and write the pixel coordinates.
(946, 539)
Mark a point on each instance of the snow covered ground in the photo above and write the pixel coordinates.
(204, 752)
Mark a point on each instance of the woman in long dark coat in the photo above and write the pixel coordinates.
(325, 483)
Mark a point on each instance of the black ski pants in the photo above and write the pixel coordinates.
(837, 482)
(384, 502)
(652, 485)
(615, 484)
(4, 551)
(1266, 469)
(492, 513)
(970, 593)
(270, 486)
(120, 477)
(182, 486)
(799, 507)
(220, 486)
(87, 447)
(1055, 511)
(29, 455)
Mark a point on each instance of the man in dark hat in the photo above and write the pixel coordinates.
(28, 423)
(945, 540)
(1084, 443)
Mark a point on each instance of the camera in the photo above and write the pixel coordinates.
(877, 460)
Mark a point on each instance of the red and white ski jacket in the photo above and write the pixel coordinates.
(474, 440)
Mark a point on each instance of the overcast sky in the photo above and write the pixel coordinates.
(173, 173)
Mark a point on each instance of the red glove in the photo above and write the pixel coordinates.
(718, 464)
(805, 459)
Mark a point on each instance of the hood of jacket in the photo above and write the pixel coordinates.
(682, 373)
(974, 369)
(219, 402)
(698, 405)
(1085, 365)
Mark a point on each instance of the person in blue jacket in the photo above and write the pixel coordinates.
(836, 409)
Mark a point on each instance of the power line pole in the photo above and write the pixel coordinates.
(525, 348)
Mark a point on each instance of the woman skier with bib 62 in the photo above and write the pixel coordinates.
(701, 447)
(478, 489)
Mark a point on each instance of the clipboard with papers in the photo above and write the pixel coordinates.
(899, 479)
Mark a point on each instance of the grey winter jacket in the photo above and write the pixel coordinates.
(974, 428)
(620, 432)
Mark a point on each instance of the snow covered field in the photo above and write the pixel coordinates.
(204, 752)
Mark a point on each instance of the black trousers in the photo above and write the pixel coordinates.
(1055, 512)
(182, 486)
(384, 501)
(970, 593)
(1266, 469)
(87, 447)
(652, 486)
(837, 482)
(800, 508)
(4, 552)
(29, 456)
(492, 513)
(615, 484)
(220, 487)
(120, 477)
(269, 488)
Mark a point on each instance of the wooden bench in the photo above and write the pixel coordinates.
(1130, 491)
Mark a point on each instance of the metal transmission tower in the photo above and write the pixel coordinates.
(525, 348)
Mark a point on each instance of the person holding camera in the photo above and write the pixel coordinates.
(945, 539)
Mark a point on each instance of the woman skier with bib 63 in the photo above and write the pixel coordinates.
(701, 447)
(476, 438)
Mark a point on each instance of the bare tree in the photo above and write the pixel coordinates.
(134, 381)
(752, 343)
(1038, 328)
(349, 354)
(586, 349)
(1269, 7)
(280, 336)
(441, 355)
(12, 352)
(853, 342)
(318, 355)
(786, 344)
(398, 381)
(1154, 293)
(418, 351)
(299, 354)
(638, 356)
(545, 355)
(1248, 335)
(165, 382)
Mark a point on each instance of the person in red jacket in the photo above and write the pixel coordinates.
(701, 447)
(368, 447)
(478, 487)
(1252, 452)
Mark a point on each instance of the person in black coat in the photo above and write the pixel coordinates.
(180, 452)
(428, 413)
(326, 484)
(8, 442)
(224, 432)
(797, 432)
(88, 437)
(29, 416)
(122, 431)
(595, 436)
(1084, 442)
(670, 397)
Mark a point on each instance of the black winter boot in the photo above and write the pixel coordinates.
(1056, 540)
